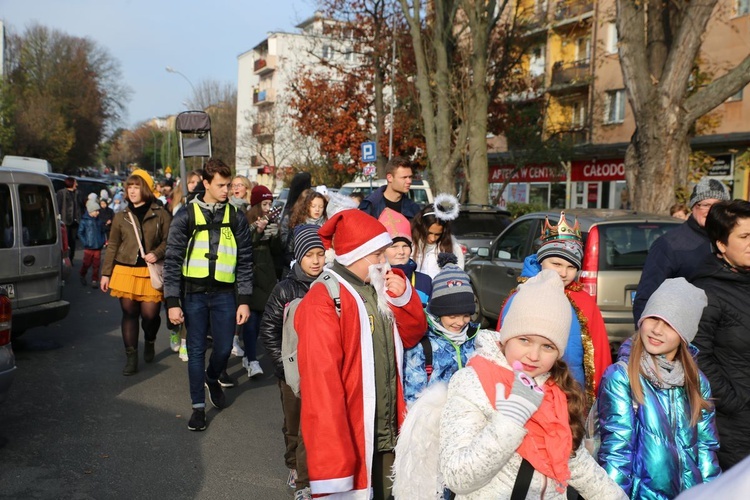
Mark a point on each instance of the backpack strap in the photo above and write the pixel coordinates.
(194, 228)
(334, 289)
(523, 481)
(427, 349)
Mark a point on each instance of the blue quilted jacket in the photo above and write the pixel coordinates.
(447, 359)
(651, 450)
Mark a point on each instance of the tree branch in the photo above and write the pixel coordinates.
(715, 93)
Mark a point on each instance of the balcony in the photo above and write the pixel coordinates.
(262, 97)
(264, 65)
(260, 130)
(573, 136)
(534, 22)
(567, 76)
(573, 9)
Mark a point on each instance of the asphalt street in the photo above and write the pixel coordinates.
(78, 429)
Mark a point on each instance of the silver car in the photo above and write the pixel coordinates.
(616, 243)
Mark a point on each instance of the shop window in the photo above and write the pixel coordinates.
(539, 194)
(614, 109)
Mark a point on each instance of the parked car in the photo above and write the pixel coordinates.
(86, 185)
(24, 163)
(30, 249)
(7, 359)
(420, 191)
(477, 225)
(616, 243)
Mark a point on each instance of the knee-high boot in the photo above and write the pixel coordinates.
(131, 365)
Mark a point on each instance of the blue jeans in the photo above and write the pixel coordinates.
(250, 334)
(203, 310)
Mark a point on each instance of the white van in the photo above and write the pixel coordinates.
(30, 249)
(419, 192)
(24, 163)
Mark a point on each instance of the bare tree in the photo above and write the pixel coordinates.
(659, 46)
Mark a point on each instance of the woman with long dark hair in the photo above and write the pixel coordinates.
(125, 274)
(431, 234)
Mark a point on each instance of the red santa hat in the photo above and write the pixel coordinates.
(353, 234)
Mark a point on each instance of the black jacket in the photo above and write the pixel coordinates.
(293, 287)
(175, 285)
(679, 253)
(723, 342)
(375, 204)
(264, 279)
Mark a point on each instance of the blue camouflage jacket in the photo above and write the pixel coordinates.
(651, 450)
(447, 358)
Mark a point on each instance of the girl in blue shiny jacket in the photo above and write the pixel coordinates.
(658, 430)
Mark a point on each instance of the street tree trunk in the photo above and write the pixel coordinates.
(659, 45)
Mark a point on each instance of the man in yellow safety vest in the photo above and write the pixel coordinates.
(208, 280)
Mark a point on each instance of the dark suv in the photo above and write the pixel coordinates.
(477, 225)
(616, 243)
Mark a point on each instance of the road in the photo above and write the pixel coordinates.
(78, 429)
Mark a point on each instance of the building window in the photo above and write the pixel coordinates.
(743, 7)
(327, 52)
(536, 61)
(349, 54)
(614, 110)
(611, 38)
(583, 49)
(736, 97)
(578, 118)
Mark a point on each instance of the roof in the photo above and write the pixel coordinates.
(587, 217)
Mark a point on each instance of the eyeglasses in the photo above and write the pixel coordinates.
(237, 185)
(704, 205)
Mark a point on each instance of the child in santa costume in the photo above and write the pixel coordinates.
(588, 352)
(350, 361)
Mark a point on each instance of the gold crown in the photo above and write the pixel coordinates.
(562, 231)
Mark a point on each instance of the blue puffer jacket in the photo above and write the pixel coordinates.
(447, 359)
(651, 450)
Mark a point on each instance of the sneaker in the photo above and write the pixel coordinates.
(94, 284)
(174, 341)
(183, 352)
(197, 420)
(236, 349)
(303, 494)
(226, 381)
(83, 280)
(254, 369)
(292, 479)
(215, 394)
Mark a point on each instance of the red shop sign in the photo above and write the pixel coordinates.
(593, 171)
(530, 173)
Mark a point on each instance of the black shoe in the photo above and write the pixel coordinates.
(197, 420)
(215, 394)
(83, 281)
(226, 381)
(131, 365)
(148, 351)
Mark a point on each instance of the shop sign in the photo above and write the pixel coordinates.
(722, 166)
(596, 171)
(531, 173)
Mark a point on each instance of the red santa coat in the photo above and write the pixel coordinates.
(337, 384)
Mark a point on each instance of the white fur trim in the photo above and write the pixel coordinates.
(368, 374)
(341, 484)
(404, 298)
(380, 241)
(446, 207)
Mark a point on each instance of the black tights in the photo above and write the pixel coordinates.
(132, 310)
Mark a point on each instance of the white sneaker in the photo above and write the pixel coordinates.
(253, 368)
(303, 494)
(183, 351)
(236, 349)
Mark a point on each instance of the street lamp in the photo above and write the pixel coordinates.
(170, 69)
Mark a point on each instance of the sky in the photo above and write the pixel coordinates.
(200, 39)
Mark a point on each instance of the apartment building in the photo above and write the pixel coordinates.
(573, 59)
(266, 138)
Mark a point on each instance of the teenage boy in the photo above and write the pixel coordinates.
(395, 194)
(208, 280)
(350, 361)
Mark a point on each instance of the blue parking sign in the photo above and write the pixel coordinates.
(369, 155)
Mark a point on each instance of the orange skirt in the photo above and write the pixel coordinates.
(133, 283)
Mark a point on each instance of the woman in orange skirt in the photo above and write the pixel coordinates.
(125, 274)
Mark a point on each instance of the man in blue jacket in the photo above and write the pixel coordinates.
(395, 194)
(680, 252)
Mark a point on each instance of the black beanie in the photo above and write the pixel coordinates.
(305, 239)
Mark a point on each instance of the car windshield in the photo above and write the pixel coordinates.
(479, 224)
(625, 246)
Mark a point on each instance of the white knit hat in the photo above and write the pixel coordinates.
(540, 307)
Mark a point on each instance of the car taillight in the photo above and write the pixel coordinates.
(5, 320)
(590, 270)
(464, 248)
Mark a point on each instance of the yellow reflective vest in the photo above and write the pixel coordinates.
(198, 254)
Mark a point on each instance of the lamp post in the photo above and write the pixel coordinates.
(170, 69)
